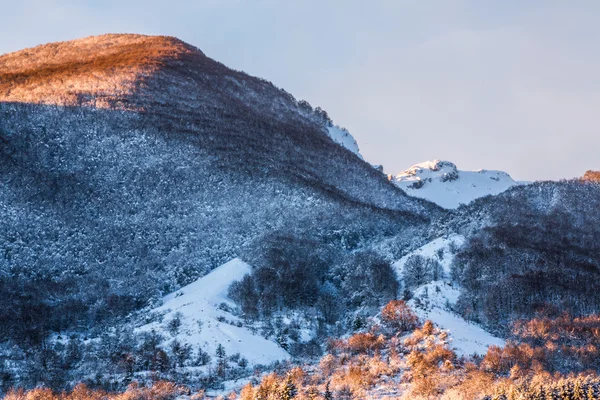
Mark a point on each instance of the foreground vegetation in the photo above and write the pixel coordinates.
(402, 358)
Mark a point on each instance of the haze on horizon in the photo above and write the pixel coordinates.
(513, 87)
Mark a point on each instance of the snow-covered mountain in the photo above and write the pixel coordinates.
(132, 168)
(202, 309)
(444, 184)
(132, 165)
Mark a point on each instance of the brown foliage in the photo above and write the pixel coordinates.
(559, 340)
(474, 385)
(365, 343)
(82, 392)
(591, 176)
(398, 315)
(501, 360)
(161, 390)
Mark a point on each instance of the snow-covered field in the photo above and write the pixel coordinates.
(435, 300)
(442, 183)
(202, 308)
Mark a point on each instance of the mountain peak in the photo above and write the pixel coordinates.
(443, 183)
(106, 68)
(447, 168)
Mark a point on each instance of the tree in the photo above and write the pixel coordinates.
(398, 315)
(434, 269)
(222, 361)
(181, 352)
(247, 392)
(202, 357)
(328, 394)
(288, 389)
(415, 272)
(174, 324)
(244, 293)
(220, 352)
(74, 352)
(161, 361)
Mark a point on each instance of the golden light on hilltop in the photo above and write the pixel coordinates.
(99, 71)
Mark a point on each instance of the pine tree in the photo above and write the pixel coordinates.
(328, 395)
(181, 352)
(220, 351)
(288, 390)
(160, 361)
(222, 361)
(590, 392)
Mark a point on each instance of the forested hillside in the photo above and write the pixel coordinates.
(132, 165)
(532, 250)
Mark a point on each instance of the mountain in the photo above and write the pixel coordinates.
(135, 136)
(444, 184)
(131, 166)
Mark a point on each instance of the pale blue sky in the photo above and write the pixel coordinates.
(511, 85)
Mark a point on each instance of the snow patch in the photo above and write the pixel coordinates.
(202, 307)
(440, 249)
(435, 300)
(443, 183)
(344, 138)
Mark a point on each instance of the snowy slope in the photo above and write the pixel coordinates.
(343, 137)
(442, 183)
(203, 301)
(434, 300)
(439, 249)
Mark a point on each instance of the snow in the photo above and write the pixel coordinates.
(435, 300)
(344, 138)
(442, 183)
(439, 249)
(201, 301)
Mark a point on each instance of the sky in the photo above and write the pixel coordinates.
(511, 85)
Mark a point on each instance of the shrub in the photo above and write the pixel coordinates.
(398, 316)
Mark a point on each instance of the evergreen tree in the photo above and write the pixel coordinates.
(220, 351)
(222, 361)
(328, 395)
(288, 389)
(202, 357)
(181, 352)
(174, 324)
(160, 361)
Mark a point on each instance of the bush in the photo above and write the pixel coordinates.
(398, 316)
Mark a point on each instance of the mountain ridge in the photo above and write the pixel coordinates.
(117, 187)
(443, 183)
